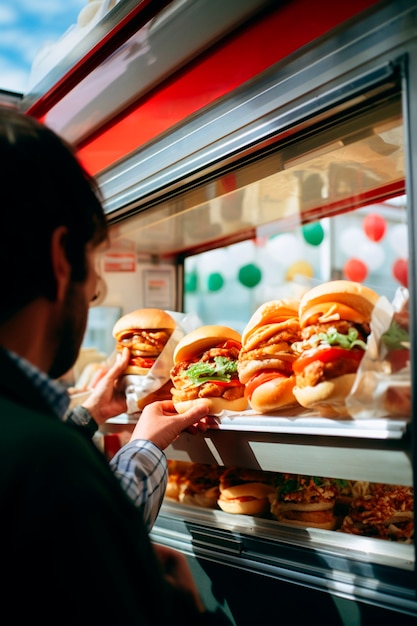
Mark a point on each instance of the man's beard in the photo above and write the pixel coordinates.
(71, 331)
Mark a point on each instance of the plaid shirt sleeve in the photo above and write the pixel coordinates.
(140, 466)
(142, 470)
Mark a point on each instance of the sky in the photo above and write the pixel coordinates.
(25, 26)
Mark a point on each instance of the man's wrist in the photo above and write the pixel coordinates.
(80, 416)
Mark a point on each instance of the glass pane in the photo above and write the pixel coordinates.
(329, 206)
(345, 165)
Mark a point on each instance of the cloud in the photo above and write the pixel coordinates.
(25, 26)
(8, 15)
(13, 78)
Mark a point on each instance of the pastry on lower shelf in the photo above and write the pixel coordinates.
(386, 512)
(196, 484)
(245, 491)
(305, 501)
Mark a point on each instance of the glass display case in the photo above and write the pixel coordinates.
(248, 182)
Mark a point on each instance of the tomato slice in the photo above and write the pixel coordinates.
(231, 343)
(260, 379)
(234, 382)
(325, 355)
(398, 358)
(141, 361)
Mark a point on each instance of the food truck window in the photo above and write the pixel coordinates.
(330, 205)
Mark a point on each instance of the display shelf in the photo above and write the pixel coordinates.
(354, 567)
(373, 459)
(308, 423)
(364, 549)
(374, 450)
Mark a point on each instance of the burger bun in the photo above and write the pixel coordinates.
(327, 397)
(206, 499)
(163, 393)
(330, 524)
(135, 370)
(216, 405)
(313, 514)
(235, 499)
(151, 318)
(354, 301)
(201, 339)
(249, 507)
(270, 312)
(274, 394)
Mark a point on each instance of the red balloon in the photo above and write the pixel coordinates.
(260, 241)
(356, 270)
(374, 226)
(400, 271)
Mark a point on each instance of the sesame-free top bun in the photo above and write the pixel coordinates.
(250, 498)
(270, 312)
(201, 339)
(353, 301)
(245, 491)
(142, 319)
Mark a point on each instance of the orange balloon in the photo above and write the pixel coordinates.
(356, 270)
(301, 268)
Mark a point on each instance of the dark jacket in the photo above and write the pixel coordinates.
(75, 549)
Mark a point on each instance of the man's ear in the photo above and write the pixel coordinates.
(60, 265)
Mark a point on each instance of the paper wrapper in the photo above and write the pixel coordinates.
(378, 391)
(137, 388)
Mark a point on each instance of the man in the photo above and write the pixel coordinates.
(140, 465)
(75, 547)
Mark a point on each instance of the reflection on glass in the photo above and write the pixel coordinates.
(100, 324)
(343, 166)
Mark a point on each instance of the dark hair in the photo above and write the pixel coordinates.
(43, 186)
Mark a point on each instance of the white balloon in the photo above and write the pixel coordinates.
(216, 259)
(204, 263)
(272, 273)
(398, 240)
(242, 253)
(285, 249)
(372, 254)
(351, 238)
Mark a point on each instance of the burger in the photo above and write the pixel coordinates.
(396, 342)
(347, 490)
(305, 501)
(335, 324)
(384, 512)
(266, 358)
(145, 332)
(205, 366)
(245, 491)
(395, 351)
(177, 472)
(199, 486)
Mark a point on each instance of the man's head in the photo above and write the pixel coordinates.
(51, 219)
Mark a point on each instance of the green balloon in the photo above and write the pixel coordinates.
(215, 281)
(190, 282)
(313, 233)
(250, 275)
